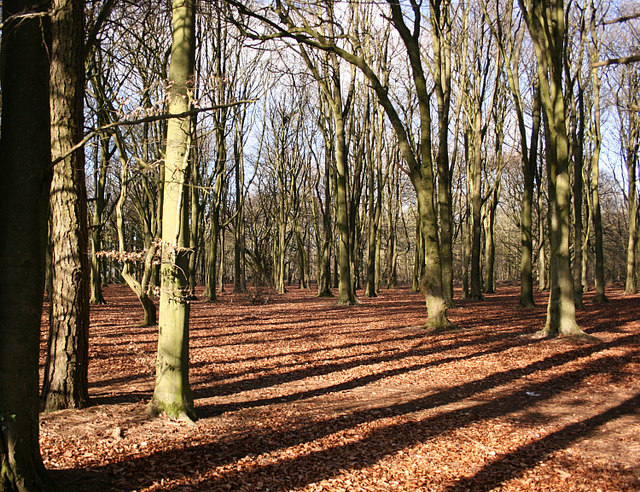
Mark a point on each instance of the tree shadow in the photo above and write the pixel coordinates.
(387, 439)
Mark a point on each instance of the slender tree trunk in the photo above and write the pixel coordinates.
(172, 393)
(475, 178)
(100, 183)
(239, 276)
(630, 286)
(375, 207)
(65, 382)
(543, 283)
(599, 296)
(25, 165)
(214, 212)
(195, 220)
(526, 220)
(140, 289)
(489, 243)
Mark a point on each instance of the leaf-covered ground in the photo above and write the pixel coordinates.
(298, 394)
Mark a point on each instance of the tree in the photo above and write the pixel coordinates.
(172, 393)
(509, 39)
(25, 164)
(331, 89)
(628, 95)
(599, 296)
(65, 376)
(546, 24)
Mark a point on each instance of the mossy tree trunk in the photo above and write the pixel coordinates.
(25, 165)
(546, 24)
(65, 383)
(441, 37)
(172, 393)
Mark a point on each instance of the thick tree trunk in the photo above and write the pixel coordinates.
(547, 29)
(431, 282)
(65, 382)
(346, 295)
(172, 393)
(25, 166)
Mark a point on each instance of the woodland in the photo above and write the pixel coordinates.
(342, 245)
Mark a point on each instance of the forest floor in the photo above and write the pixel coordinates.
(299, 394)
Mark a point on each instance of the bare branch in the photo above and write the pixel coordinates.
(625, 60)
(146, 119)
(623, 18)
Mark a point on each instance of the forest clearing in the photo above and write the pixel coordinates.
(299, 394)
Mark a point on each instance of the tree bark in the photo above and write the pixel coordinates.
(65, 382)
(545, 21)
(172, 392)
(25, 165)
(599, 296)
(526, 221)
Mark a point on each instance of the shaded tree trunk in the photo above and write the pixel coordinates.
(65, 383)
(545, 21)
(25, 165)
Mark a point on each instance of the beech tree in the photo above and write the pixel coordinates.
(419, 157)
(627, 95)
(172, 393)
(65, 376)
(546, 24)
(25, 164)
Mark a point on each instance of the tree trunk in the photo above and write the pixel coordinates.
(489, 243)
(441, 41)
(526, 220)
(346, 295)
(140, 289)
(172, 393)
(630, 283)
(214, 213)
(100, 182)
(599, 296)
(25, 165)
(65, 382)
(239, 275)
(547, 29)
(578, 164)
(475, 179)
